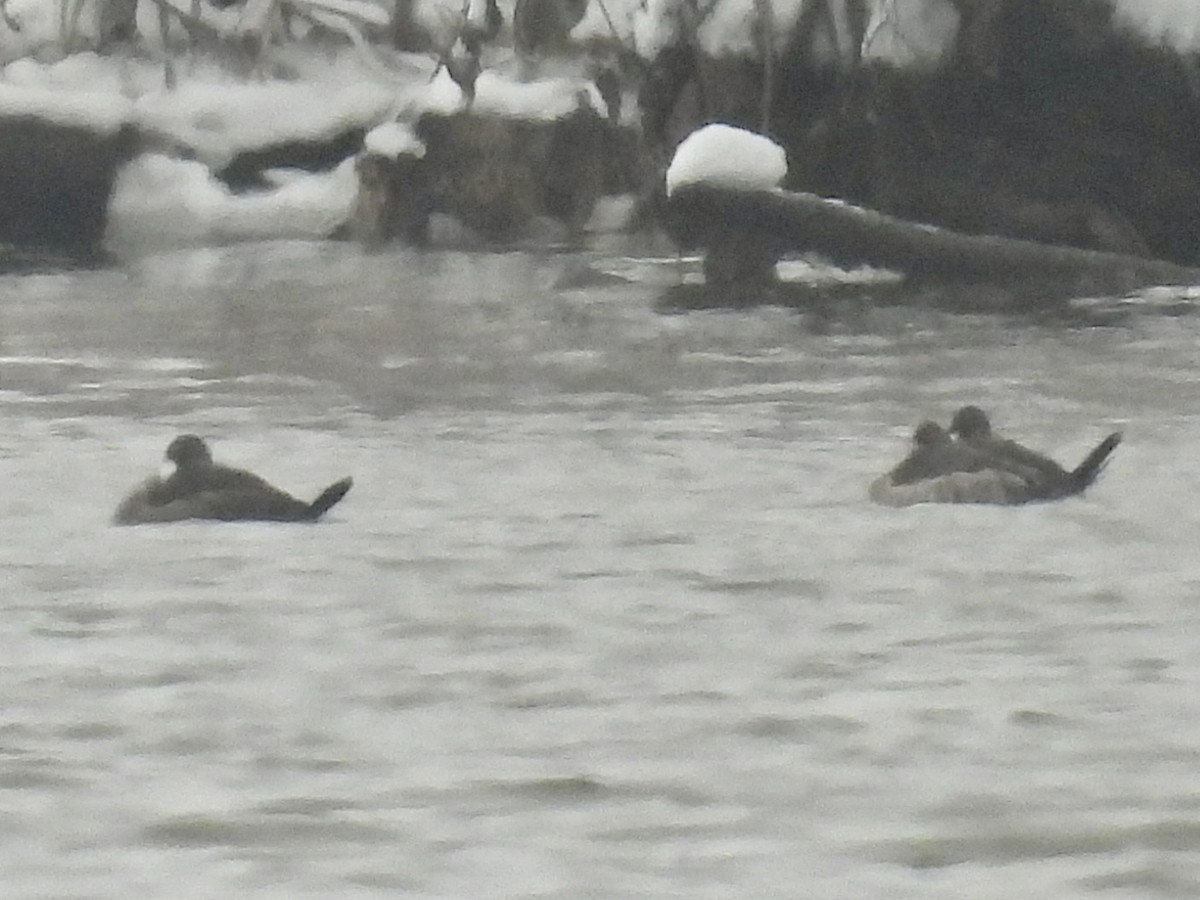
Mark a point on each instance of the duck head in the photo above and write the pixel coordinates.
(929, 434)
(188, 450)
(971, 422)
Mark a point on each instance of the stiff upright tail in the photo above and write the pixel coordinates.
(329, 497)
(1087, 471)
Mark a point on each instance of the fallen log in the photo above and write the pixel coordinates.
(745, 232)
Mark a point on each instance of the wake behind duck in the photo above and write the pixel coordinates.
(968, 464)
(202, 489)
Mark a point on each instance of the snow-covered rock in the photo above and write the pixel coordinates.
(393, 139)
(724, 156)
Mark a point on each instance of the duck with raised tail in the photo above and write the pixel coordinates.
(199, 488)
(969, 464)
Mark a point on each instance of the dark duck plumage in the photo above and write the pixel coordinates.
(1047, 479)
(935, 453)
(981, 468)
(202, 489)
(939, 469)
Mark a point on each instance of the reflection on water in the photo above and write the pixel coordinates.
(606, 614)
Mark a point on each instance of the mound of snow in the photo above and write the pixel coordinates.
(99, 113)
(545, 99)
(728, 157)
(219, 120)
(497, 94)
(392, 139)
(162, 202)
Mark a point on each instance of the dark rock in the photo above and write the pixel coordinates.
(55, 183)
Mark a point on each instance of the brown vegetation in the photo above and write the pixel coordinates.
(494, 174)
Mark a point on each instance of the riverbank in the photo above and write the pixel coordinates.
(219, 158)
(1039, 120)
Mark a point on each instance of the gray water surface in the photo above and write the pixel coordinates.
(607, 613)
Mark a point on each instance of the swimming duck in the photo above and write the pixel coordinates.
(934, 453)
(202, 489)
(979, 467)
(1047, 478)
(940, 469)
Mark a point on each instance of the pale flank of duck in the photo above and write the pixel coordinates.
(987, 486)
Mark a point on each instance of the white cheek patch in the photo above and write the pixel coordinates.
(166, 470)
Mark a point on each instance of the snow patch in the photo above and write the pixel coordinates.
(393, 139)
(97, 112)
(220, 120)
(497, 95)
(728, 157)
(1173, 22)
(159, 201)
(544, 100)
